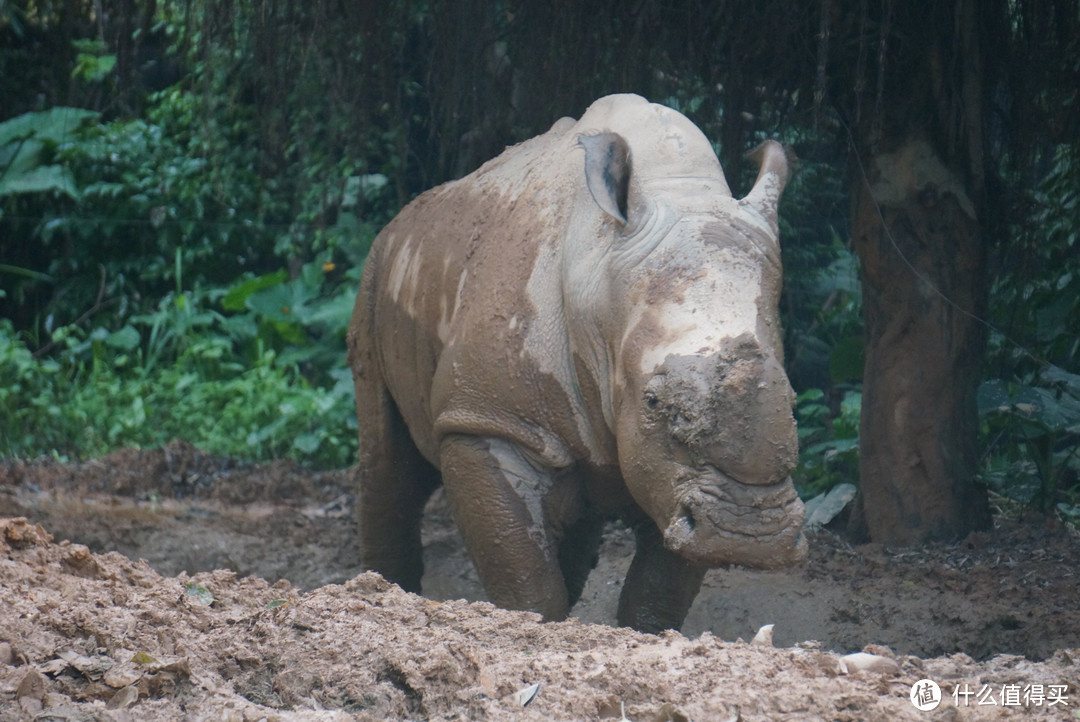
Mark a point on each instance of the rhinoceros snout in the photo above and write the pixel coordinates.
(738, 524)
(732, 411)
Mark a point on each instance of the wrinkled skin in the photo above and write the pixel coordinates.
(585, 327)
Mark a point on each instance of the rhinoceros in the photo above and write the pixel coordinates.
(585, 327)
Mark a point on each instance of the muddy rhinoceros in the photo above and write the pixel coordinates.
(585, 327)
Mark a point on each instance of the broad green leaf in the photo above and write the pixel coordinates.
(372, 184)
(40, 180)
(55, 124)
(1058, 375)
(307, 443)
(335, 312)
(21, 156)
(26, 273)
(236, 298)
(992, 396)
(312, 275)
(126, 338)
(283, 303)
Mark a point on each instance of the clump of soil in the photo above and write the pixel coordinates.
(87, 633)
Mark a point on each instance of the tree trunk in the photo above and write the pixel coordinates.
(918, 205)
(919, 241)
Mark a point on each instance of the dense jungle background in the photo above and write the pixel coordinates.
(188, 191)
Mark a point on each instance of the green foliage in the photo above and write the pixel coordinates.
(28, 146)
(93, 61)
(142, 191)
(174, 267)
(828, 441)
(1036, 297)
(152, 188)
(304, 319)
(1033, 439)
(142, 255)
(1030, 404)
(176, 374)
(822, 304)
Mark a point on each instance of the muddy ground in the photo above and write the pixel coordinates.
(294, 631)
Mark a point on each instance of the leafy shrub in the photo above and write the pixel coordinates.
(130, 212)
(828, 441)
(1030, 403)
(1033, 440)
(185, 371)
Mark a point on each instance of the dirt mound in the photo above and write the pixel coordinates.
(87, 635)
(91, 636)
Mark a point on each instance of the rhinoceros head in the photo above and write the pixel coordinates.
(679, 304)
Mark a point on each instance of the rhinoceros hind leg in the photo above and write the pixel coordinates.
(578, 554)
(497, 496)
(395, 482)
(660, 586)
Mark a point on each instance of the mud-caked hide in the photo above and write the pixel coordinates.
(586, 326)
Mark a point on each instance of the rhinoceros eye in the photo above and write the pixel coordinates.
(651, 401)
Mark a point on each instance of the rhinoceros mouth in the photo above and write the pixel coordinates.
(721, 521)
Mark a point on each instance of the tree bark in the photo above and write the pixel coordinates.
(919, 241)
(918, 205)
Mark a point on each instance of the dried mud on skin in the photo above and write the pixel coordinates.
(87, 636)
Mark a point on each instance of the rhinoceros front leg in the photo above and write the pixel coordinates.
(660, 586)
(497, 497)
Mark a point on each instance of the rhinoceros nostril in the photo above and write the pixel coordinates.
(680, 531)
(689, 520)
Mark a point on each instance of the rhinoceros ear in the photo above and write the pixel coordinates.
(774, 168)
(607, 171)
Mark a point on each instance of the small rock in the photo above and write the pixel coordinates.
(174, 665)
(367, 583)
(56, 699)
(258, 714)
(670, 713)
(30, 707)
(864, 662)
(124, 698)
(55, 667)
(18, 533)
(32, 686)
(819, 661)
(526, 695)
(31, 693)
(915, 662)
(93, 668)
(879, 649)
(764, 636)
(123, 675)
(823, 508)
(79, 562)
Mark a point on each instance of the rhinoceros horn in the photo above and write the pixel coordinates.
(773, 162)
